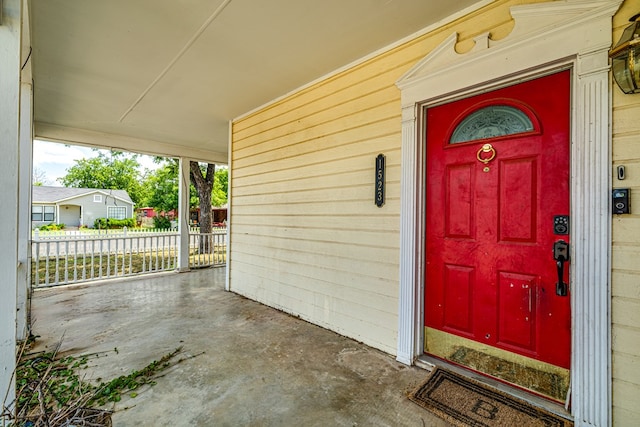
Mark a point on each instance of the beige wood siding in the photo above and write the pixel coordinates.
(625, 304)
(306, 236)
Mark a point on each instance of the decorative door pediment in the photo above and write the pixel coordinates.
(570, 25)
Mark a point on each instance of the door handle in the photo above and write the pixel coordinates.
(561, 255)
(561, 287)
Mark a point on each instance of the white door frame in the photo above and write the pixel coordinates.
(546, 37)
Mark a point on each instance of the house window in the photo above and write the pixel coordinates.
(43, 213)
(97, 198)
(117, 212)
(490, 122)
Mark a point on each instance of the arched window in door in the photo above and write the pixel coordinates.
(490, 122)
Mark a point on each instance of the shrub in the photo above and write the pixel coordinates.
(104, 223)
(161, 222)
(51, 227)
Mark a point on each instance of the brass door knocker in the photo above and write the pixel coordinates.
(485, 154)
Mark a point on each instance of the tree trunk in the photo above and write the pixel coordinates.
(204, 187)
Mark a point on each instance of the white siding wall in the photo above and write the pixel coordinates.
(92, 210)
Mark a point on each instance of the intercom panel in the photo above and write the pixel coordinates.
(620, 201)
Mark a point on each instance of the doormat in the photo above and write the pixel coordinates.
(466, 402)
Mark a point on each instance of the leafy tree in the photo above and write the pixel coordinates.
(220, 187)
(162, 187)
(115, 171)
(209, 187)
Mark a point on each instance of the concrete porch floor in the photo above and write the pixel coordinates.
(260, 367)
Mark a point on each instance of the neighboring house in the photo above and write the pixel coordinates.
(147, 212)
(150, 212)
(77, 207)
(145, 216)
(218, 215)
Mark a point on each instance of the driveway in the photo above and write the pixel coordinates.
(253, 365)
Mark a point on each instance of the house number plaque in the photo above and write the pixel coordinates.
(379, 198)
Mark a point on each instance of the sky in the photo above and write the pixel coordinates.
(53, 159)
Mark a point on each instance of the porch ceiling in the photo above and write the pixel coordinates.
(166, 76)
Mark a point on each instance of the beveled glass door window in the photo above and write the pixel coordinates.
(490, 122)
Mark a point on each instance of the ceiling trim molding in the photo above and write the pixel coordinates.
(76, 136)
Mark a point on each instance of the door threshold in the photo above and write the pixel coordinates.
(429, 363)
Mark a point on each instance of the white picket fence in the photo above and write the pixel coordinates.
(70, 257)
(91, 233)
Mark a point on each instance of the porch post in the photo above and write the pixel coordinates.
(24, 205)
(10, 28)
(183, 215)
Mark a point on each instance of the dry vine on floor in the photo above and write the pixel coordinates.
(50, 392)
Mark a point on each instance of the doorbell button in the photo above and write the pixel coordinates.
(620, 201)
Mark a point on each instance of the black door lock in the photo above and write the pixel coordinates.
(561, 255)
(561, 224)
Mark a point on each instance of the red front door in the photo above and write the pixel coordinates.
(497, 200)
